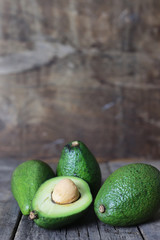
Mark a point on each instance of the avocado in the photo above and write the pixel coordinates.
(129, 196)
(60, 201)
(77, 160)
(25, 181)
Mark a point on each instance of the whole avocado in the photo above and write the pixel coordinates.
(129, 196)
(78, 161)
(25, 181)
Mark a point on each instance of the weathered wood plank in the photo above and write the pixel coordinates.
(151, 230)
(109, 25)
(9, 219)
(85, 228)
(108, 232)
(93, 228)
(41, 54)
(9, 210)
(72, 233)
(107, 80)
(27, 120)
(113, 165)
(29, 230)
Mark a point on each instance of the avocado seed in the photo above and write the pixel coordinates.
(65, 192)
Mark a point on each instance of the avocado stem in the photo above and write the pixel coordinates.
(102, 208)
(75, 144)
(33, 215)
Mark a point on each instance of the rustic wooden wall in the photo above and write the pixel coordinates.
(87, 70)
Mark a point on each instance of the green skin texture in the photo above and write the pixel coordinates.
(79, 162)
(25, 181)
(130, 195)
(44, 221)
(54, 223)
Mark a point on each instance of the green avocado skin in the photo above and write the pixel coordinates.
(54, 223)
(79, 162)
(130, 195)
(25, 181)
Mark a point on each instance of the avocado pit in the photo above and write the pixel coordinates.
(65, 192)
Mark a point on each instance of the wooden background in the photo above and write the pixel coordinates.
(86, 70)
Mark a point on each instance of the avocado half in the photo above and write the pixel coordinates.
(48, 214)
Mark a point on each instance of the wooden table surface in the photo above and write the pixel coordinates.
(13, 225)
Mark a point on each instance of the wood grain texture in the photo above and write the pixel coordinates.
(9, 219)
(85, 70)
(9, 211)
(151, 230)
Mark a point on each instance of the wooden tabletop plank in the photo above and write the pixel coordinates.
(9, 211)
(109, 232)
(9, 219)
(119, 163)
(72, 232)
(92, 226)
(90, 222)
(151, 230)
(82, 225)
(86, 228)
(83, 233)
(28, 230)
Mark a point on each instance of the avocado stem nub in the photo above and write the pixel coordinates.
(102, 208)
(33, 215)
(75, 144)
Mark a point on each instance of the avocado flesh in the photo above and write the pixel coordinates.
(52, 215)
(78, 161)
(25, 181)
(130, 195)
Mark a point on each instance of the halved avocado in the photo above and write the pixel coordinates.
(48, 214)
